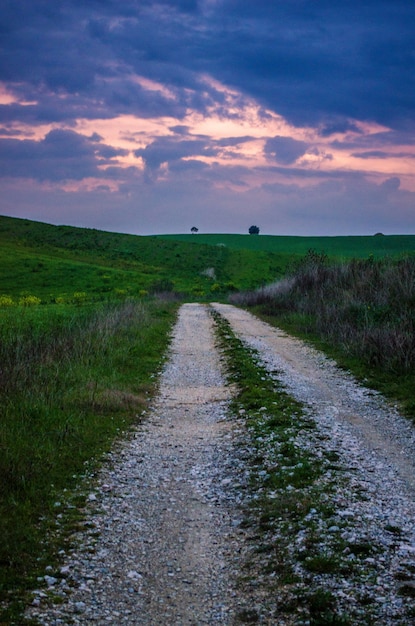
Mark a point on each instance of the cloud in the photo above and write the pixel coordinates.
(326, 208)
(285, 150)
(391, 184)
(61, 155)
(339, 126)
(372, 154)
(169, 149)
(217, 103)
(382, 154)
(309, 62)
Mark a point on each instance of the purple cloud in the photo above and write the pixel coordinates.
(285, 150)
(61, 155)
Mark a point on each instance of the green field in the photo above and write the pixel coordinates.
(338, 247)
(53, 262)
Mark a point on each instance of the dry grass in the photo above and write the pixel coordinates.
(367, 307)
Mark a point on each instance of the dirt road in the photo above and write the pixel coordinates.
(165, 544)
(332, 394)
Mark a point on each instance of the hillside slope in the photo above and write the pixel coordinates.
(56, 261)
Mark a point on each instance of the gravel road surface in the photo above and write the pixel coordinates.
(163, 543)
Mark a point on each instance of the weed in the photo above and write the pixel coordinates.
(322, 610)
(322, 564)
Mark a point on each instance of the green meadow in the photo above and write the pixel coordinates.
(337, 247)
(54, 262)
(85, 321)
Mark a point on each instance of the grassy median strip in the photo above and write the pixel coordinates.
(72, 380)
(290, 508)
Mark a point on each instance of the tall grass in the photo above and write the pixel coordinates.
(71, 379)
(366, 308)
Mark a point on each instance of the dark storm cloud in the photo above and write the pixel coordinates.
(381, 154)
(311, 62)
(285, 150)
(338, 126)
(234, 141)
(189, 165)
(391, 184)
(61, 155)
(372, 154)
(377, 141)
(303, 173)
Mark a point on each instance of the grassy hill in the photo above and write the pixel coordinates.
(338, 247)
(57, 261)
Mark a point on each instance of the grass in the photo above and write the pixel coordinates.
(359, 247)
(81, 342)
(73, 379)
(361, 312)
(53, 262)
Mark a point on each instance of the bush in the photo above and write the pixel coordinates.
(29, 301)
(80, 297)
(6, 301)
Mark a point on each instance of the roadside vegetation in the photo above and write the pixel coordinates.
(362, 312)
(73, 378)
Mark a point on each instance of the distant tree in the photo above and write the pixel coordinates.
(194, 230)
(253, 230)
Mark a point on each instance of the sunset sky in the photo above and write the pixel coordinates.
(152, 117)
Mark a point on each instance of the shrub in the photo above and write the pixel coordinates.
(162, 285)
(121, 293)
(79, 297)
(29, 301)
(6, 301)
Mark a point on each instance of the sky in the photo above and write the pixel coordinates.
(151, 117)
